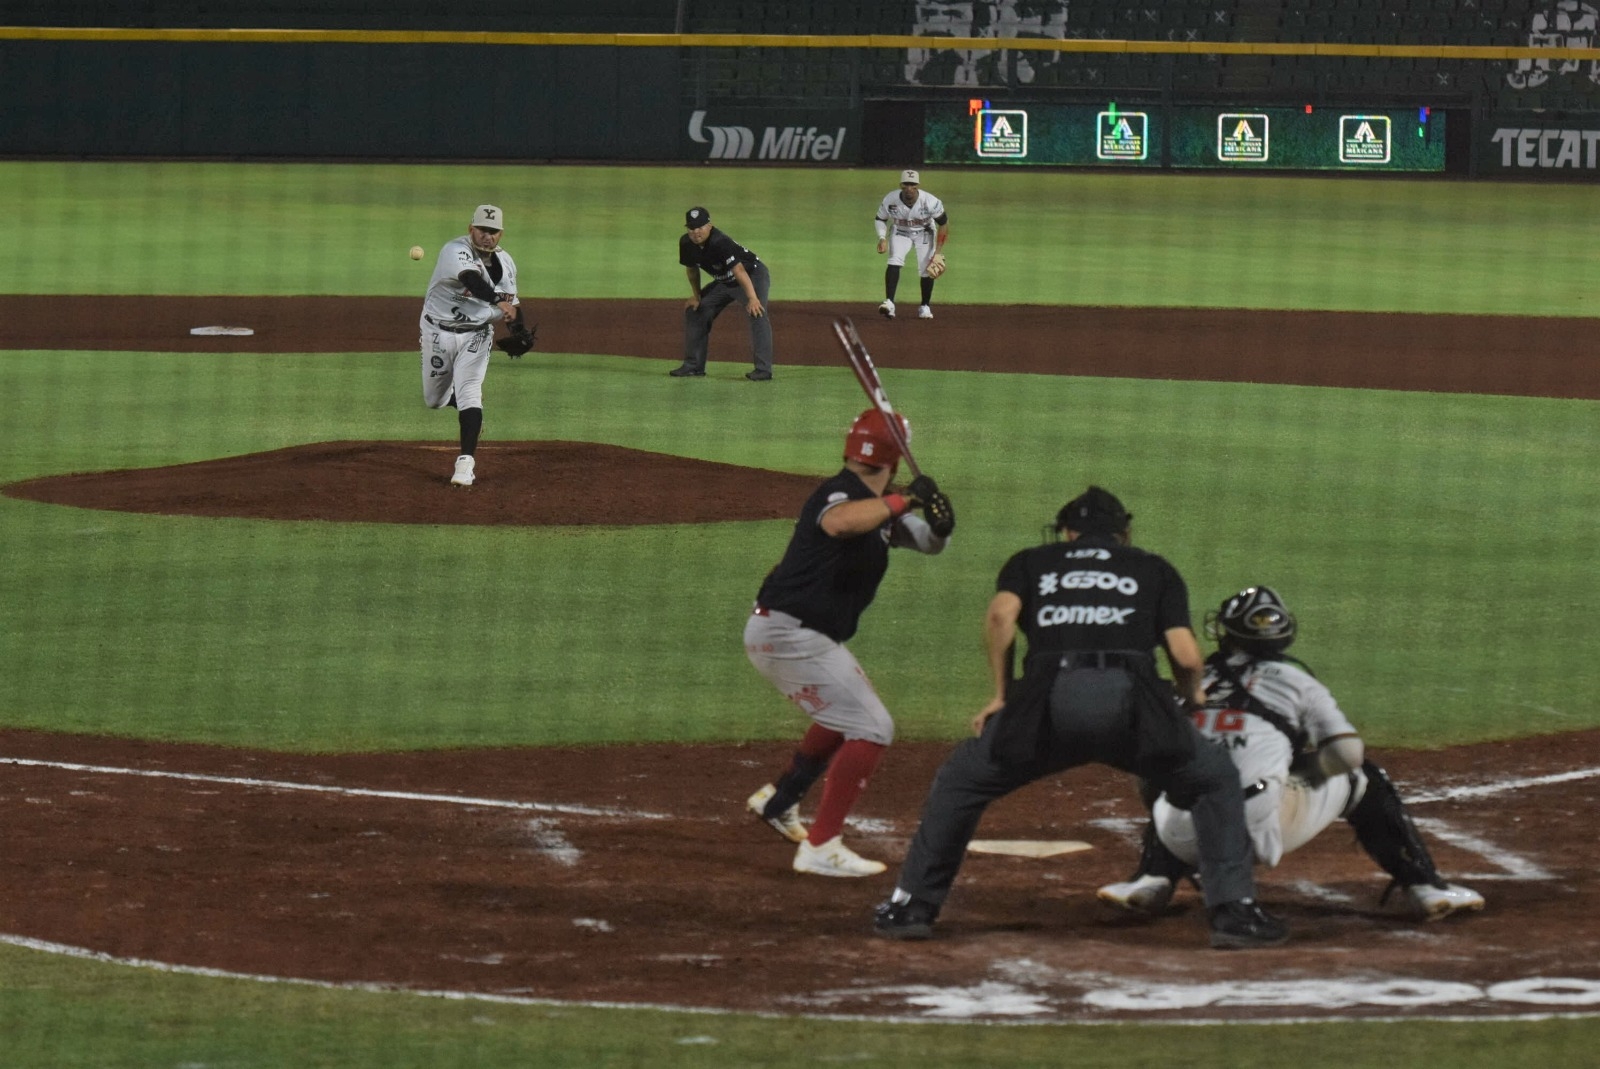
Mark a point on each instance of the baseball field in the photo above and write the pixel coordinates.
(307, 759)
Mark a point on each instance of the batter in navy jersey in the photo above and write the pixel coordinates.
(808, 607)
(736, 274)
(1093, 608)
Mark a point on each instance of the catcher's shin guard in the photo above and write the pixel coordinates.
(1385, 831)
(1156, 860)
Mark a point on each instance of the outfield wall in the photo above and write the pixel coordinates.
(1522, 88)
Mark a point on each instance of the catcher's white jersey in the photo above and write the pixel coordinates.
(1283, 812)
(448, 305)
(919, 217)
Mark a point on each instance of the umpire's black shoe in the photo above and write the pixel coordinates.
(1244, 924)
(758, 375)
(905, 920)
(684, 371)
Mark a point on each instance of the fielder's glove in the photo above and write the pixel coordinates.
(936, 266)
(519, 339)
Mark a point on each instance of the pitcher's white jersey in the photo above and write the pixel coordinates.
(919, 217)
(449, 306)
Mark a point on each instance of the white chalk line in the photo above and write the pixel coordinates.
(1439, 828)
(348, 792)
(368, 987)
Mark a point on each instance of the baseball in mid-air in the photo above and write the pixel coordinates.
(416, 252)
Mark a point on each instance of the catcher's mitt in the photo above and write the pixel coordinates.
(519, 339)
(936, 266)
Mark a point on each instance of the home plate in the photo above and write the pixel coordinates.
(214, 331)
(1027, 847)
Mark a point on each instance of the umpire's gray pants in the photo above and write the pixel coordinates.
(713, 299)
(1090, 722)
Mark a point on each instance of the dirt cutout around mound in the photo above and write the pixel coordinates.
(633, 874)
(519, 483)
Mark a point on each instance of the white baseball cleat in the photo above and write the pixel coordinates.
(886, 309)
(833, 858)
(464, 475)
(786, 824)
(1438, 902)
(924, 312)
(1143, 894)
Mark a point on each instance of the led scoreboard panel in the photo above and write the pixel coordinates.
(1246, 137)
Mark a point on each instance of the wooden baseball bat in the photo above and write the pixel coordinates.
(867, 376)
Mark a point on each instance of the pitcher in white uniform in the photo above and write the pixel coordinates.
(910, 220)
(474, 286)
(1301, 762)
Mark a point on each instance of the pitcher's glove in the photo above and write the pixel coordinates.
(936, 266)
(936, 507)
(519, 339)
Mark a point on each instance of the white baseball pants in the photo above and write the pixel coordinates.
(818, 675)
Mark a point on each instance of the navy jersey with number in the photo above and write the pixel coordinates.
(1095, 594)
(828, 582)
(717, 256)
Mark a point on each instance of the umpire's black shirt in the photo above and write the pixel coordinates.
(717, 256)
(1094, 594)
(828, 582)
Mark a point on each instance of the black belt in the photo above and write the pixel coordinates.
(1104, 659)
(450, 329)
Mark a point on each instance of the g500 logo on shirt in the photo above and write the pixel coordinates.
(1050, 582)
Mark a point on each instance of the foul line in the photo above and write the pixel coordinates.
(349, 792)
(1488, 790)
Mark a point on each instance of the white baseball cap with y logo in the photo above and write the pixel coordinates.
(489, 217)
(910, 177)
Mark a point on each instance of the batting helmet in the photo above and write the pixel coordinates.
(869, 441)
(1254, 620)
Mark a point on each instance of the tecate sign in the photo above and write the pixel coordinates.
(1545, 149)
(799, 143)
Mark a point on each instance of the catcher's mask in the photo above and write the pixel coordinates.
(1254, 620)
(869, 441)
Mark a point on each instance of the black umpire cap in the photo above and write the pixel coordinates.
(695, 218)
(1095, 511)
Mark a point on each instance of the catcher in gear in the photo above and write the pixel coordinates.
(911, 220)
(1301, 763)
(808, 607)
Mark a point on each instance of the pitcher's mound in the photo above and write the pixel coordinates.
(519, 483)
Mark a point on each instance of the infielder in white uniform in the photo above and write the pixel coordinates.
(1302, 764)
(911, 219)
(474, 286)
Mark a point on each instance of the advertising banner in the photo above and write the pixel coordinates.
(773, 135)
(1187, 136)
(1534, 146)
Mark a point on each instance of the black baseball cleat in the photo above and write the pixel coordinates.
(684, 371)
(1243, 924)
(905, 920)
(758, 376)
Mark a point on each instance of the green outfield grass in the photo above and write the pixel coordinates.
(1016, 237)
(1412, 533)
(65, 1014)
(1438, 548)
